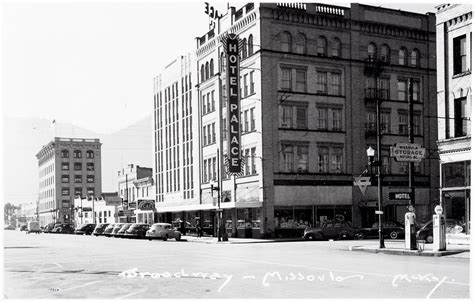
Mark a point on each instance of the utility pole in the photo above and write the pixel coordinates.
(411, 165)
(379, 166)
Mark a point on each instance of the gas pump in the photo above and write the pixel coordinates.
(410, 230)
(439, 230)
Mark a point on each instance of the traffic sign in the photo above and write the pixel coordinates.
(378, 212)
(407, 152)
(362, 182)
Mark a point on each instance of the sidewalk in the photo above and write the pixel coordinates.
(213, 240)
(398, 248)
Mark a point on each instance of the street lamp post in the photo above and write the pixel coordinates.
(377, 163)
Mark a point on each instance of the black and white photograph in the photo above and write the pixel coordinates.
(236, 150)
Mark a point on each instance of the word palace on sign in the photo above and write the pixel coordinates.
(233, 82)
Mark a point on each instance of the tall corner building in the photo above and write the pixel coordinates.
(307, 101)
(454, 61)
(67, 167)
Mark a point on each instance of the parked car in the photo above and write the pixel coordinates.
(49, 227)
(330, 230)
(100, 229)
(33, 227)
(426, 232)
(23, 227)
(116, 228)
(85, 229)
(121, 232)
(391, 229)
(9, 227)
(137, 230)
(63, 229)
(108, 230)
(163, 231)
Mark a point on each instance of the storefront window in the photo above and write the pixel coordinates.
(456, 174)
(303, 217)
(284, 217)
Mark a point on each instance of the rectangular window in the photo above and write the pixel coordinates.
(336, 161)
(416, 124)
(402, 90)
(460, 117)
(287, 116)
(247, 161)
(77, 191)
(253, 151)
(286, 79)
(252, 119)
(288, 158)
(204, 135)
(90, 191)
(322, 118)
(416, 91)
(323, 160)
(65, 203)
(459, 55)
(213, 101)
(335, 84)
(65, 179)
(302, 159)
(77, 179)
(213, 132)
(77, 166)
(403, 124)
(204, 171)
(301, 118)
(336, 119)
(208, 101)
(301, 80)
(252, 83)
(65, 191)
(214, 171)
(90, 178)
(204, 107)
(385, 122)
(246, 86)
(321, 82)
(224, 128)
(65, 166)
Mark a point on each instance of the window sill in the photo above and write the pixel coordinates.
(461, 74)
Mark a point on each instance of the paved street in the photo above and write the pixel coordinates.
(70, 266)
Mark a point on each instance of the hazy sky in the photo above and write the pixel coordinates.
(92, 63)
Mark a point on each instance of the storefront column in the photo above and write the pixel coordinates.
(234, 222)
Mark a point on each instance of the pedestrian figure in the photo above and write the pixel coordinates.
(198, 231)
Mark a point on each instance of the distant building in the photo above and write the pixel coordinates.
(106, 208)
(29, 211)
(454, 64)
(134, 183)
(68, 167)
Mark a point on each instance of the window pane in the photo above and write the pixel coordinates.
(302, 159)
(321, 82)
(301, 117)
(286, 79)
(301, 80)
(336, 119)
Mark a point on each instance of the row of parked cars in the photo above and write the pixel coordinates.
(391, 229)
(162, 231)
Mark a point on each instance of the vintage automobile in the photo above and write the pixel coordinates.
(137, 230)
(121, 232)
(63, 229)
(85, 229)
(163, 231)
(100, 229)
(330, 230)
(391, 229)
(108, 230)
(116, 228)
(49, 227)
(426, 232)
(33, 227)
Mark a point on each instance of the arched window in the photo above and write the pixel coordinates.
(89, 154)
(372, 51)
(415, 58)
(321, 46)
(64, 153)
(250, 45)
(385, 53)
(202, 73)
(285, 40)
(77, 154)
(336, 48)
(211, 66)
(244, 49)
(402, 56)
(222, 63)
(207, 70)
(301, 44)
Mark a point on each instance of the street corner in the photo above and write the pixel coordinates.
(463, 253)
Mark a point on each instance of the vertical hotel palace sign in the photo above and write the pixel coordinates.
(231, 44)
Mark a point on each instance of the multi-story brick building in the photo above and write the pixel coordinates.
(68, 167)
(308, 113)
(454, 61)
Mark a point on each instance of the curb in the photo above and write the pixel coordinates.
(405, 252)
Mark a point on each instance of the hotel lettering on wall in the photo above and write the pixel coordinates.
(232, 50)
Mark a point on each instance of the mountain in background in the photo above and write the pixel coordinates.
(24, 137)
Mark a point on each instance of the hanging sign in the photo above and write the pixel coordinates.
(232, 49)
(407, 152)
(362, 182)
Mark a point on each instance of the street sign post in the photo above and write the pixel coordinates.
(407, 152)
